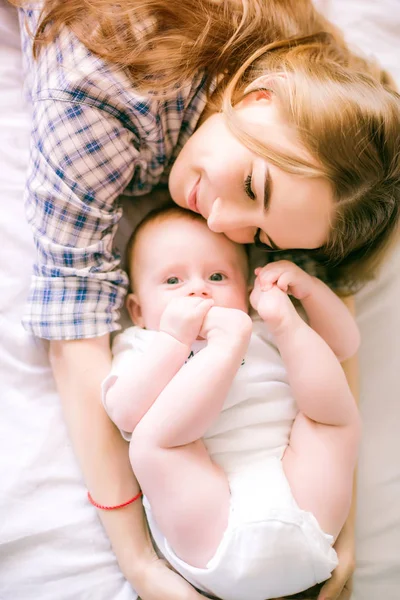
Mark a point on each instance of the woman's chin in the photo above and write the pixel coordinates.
(241, 236)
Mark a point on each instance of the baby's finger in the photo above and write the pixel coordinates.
(266, 269)
(187, 302)
(284, 281)
(193, 303)
(204, 306)
(267, 280)
(266, 287)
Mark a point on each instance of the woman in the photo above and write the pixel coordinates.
(287, 139)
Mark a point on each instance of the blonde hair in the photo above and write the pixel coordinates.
(343, 107)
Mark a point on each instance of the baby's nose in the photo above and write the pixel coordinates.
(199, 288)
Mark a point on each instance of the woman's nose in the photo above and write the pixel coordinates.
(226, 218)
(218, 217)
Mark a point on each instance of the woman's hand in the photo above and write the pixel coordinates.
(339, 586)
(155, 580)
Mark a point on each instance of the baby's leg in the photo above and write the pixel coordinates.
(320, 460)
(189, 494)
(189, 497)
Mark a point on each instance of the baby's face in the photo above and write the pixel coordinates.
(182, 257)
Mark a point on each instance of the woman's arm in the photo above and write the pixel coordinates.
(87, 130)
(79, 367)
(338, 587)
(331, 318)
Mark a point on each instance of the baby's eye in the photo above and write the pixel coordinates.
(217, 277)
(172, 280)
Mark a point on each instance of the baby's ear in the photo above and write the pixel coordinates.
(134, 309)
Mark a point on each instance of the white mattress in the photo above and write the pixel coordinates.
(52, 546)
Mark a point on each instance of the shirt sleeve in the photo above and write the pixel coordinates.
(82, 158)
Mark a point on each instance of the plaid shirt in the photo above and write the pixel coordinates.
(93, 137)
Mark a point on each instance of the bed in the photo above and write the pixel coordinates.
(52, 545)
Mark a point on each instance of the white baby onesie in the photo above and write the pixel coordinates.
(271, 547)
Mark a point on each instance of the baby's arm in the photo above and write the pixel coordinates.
(326, 312)
(142, 381)
(194, 397)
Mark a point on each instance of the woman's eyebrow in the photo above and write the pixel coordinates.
(267, 190)
(267, 201)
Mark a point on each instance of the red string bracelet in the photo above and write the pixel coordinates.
(113, 507)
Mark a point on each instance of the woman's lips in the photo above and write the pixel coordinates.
(192, 199)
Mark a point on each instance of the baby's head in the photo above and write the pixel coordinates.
(173, 253)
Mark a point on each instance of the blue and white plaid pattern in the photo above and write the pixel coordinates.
(93, 137)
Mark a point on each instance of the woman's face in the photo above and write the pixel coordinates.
(239, 192)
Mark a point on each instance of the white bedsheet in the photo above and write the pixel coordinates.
(52, 546)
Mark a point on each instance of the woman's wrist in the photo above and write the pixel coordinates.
(135, 565)
(130, 538)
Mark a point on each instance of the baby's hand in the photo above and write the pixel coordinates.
(287, 276)
(274, 307)
(183, 317)
(229, 324)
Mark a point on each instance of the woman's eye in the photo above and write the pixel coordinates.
(247, 187)
(172, 280)
(217, 277)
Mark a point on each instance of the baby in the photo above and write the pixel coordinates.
(243, 435)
